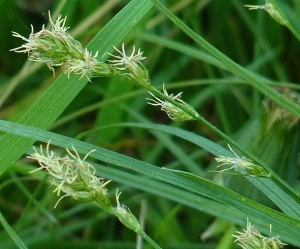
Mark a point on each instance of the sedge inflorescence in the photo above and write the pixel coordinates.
(76, 178)
(272, 10)
(56, 47)
(72, 175)
(251, 238)
(136, 72)
(242, 165)
(174, 112)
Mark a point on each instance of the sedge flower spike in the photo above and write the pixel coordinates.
(242, 165)
(126, 61)
(56, 47)
(73, 176)
(76, 178)
(126, 217)
(174, 112)
(251, 238)
(137, 72)
(88, 67)
(272, 10)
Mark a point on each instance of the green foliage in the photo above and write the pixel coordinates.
(235, 68)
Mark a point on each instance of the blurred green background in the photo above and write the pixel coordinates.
(251, 38)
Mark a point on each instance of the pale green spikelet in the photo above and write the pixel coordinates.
(73, 176)
(56, 47)
(132, 63)
(273, 11)
(174, 112)
(242, 165)
(251, 238)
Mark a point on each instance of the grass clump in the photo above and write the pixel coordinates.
(225, 80)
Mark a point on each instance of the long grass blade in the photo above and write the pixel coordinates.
(59, 95)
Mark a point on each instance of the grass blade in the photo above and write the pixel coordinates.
(230, 64)
(54, 101)
(12, 233)
(286, 226)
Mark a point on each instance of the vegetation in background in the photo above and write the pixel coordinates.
(217, 169)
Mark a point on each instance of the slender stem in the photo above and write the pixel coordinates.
(149, 240)
(138, 229)
(200, 119)
(230, 64)
(252, 80)
(191, 112)
(12, 233)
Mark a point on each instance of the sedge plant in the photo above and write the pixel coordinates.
(249, 161)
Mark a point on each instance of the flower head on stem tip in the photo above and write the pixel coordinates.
(137, 72)
(50, 46)
(172, 111)
(273, 11)
(251, 238)
(124, 60)
(246, 166)
(250, 235)
(58, 29)
(73, 176)
(126, 217)
(56, 47)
